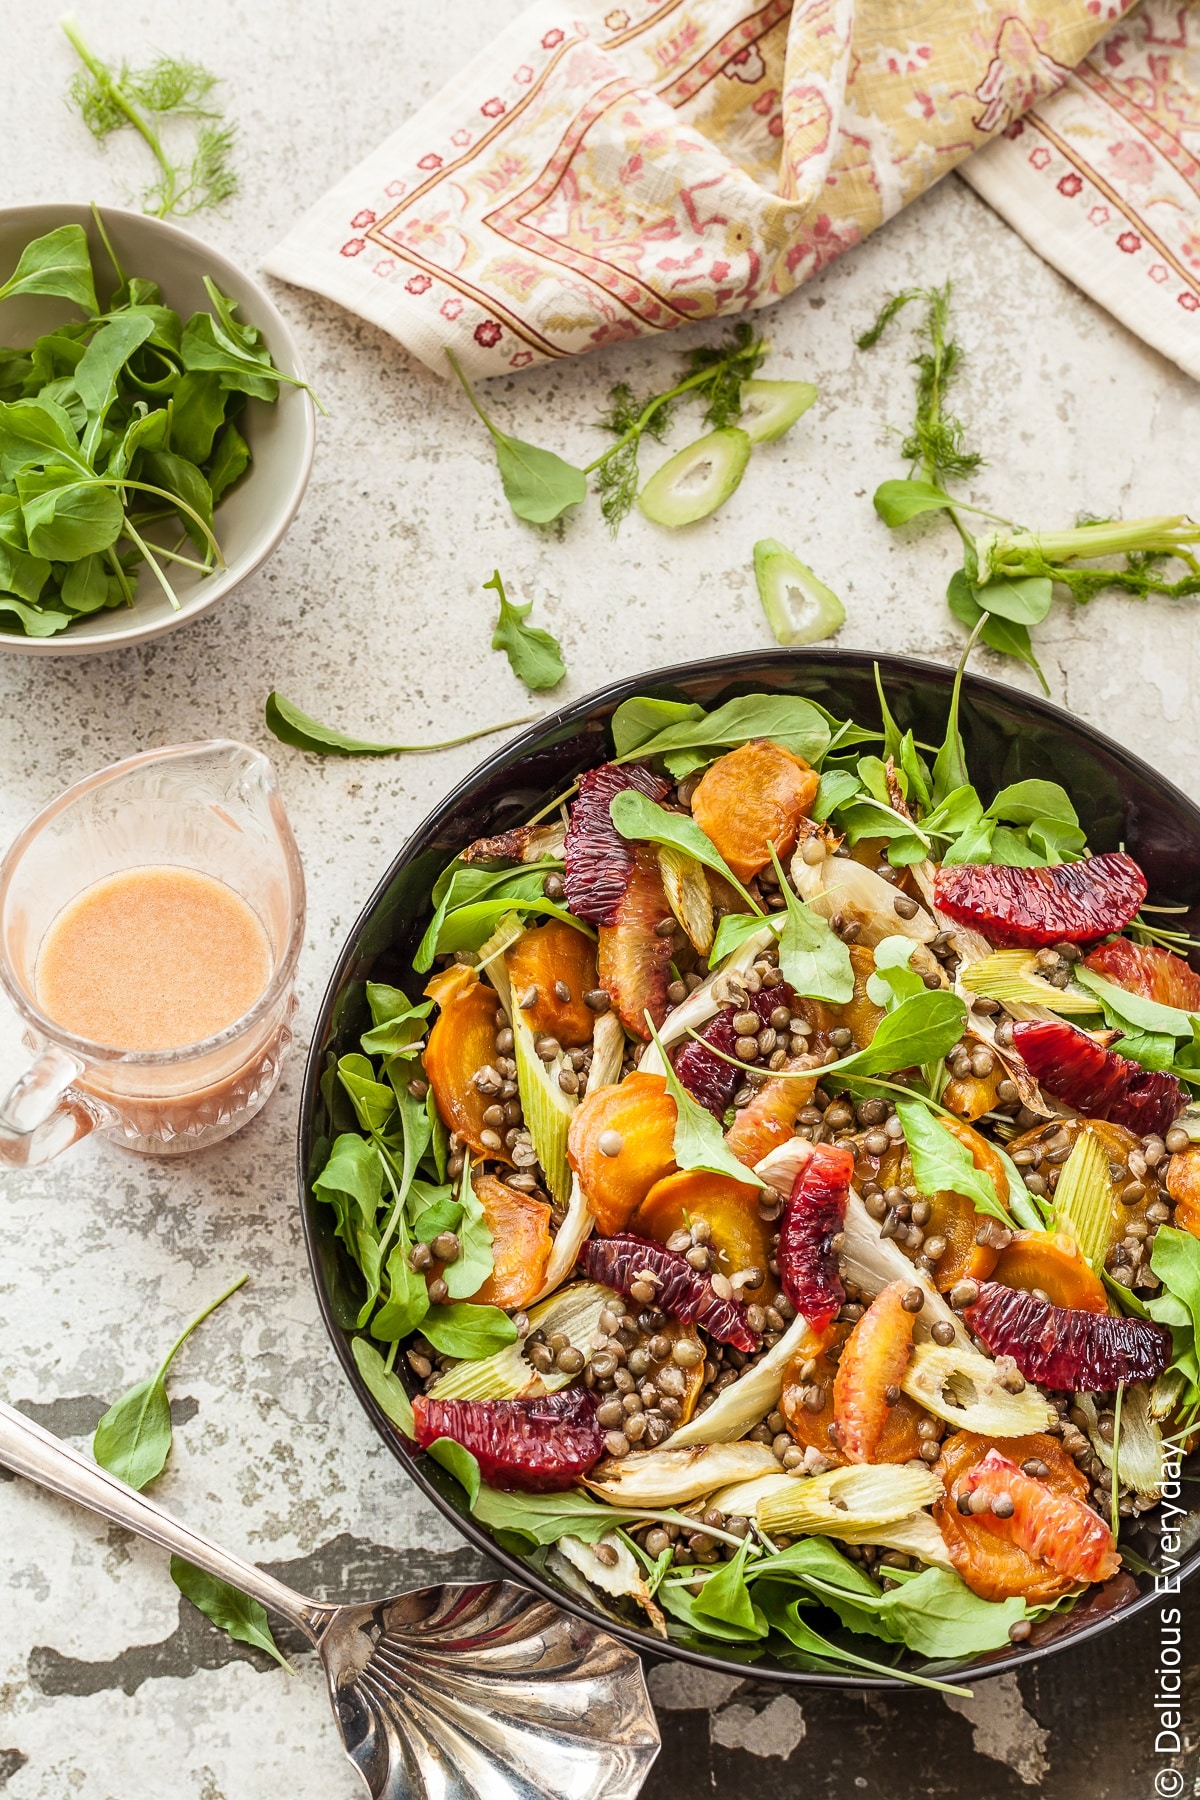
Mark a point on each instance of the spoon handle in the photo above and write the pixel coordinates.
(39, 1456)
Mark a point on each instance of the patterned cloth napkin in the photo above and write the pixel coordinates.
(604, 172)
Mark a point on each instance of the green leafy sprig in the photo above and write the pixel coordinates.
(533, 655)
(714, 373)
(171, 87)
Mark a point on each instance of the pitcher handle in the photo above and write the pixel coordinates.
(43, 1114)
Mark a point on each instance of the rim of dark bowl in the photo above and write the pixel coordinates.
(738, 669)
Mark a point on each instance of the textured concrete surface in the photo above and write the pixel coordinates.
(372, 615)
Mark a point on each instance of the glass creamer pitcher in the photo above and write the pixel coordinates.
(212, 808)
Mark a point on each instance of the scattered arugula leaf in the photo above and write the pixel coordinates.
(534, 656)
(291, 726)
(227, 1608)
(538, 485)
(133, 1439)
(468, 1331)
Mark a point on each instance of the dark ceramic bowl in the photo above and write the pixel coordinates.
(1009, 736)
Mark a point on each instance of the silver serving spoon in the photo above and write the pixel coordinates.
(468, 1691)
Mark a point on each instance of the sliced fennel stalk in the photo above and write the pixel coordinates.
(800, 609)
(672, 1477)
(548, 1110)
(1007, 976)
(688, 894)
(697, 480)
(1085, 1201)
(866, 1494)
(1139, 1462)
(507, 1375)
(771, 408)
(963, 1388)
(741, 1406)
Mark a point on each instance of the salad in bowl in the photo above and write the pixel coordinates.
(774, 1191)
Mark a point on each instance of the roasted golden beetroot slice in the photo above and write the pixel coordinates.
(520, 1229)
(809, 1423)
(622, 1140)
(769, 1116)
(970, 1096)
(994, 1567)
(1053, 1262)
(1050, 1527)
(873, 1364)
(730, 1210)
(463, 1041)
(634, 957)
(552, 967)
(752, 798)
(1183, 1185)
(953, 1218)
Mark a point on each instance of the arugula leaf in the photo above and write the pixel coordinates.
(699, 1140)
(353, 1169)
(534, 656)
(37, 621)
(231, 459)
(407, 1303)
(1175, 1259)
(400, 1026)
(385, 1387)
(58, 263)
(538, 485)
(1026, 802)
(133, 1439)
(642, 820)
(897, 502)
(1123, 1009)
(835, 787)
(795, 724)
(474, 1263)
(544, 1518)
(894, 979)
(741, 1621)
(921, 1030)
(636, 721)
(373, 1103)
(998, 634)
(735, 928)
(228, 1608)
(811, 954)
(936, 1615)
(468, 1331)
(291, 726)
(726, 1598)
(941, 1164)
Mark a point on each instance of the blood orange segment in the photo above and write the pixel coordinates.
(618, 1262)
(1066, 1349)
(598, 860)
(877, 1353)
(1053, 1528)
(815, 1214)
(1073, 1067)
(633, 958)
(1148, 970)
(538, 1446)
(1071, 902)
(992, 1566)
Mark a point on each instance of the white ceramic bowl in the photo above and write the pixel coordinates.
(253, 517)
